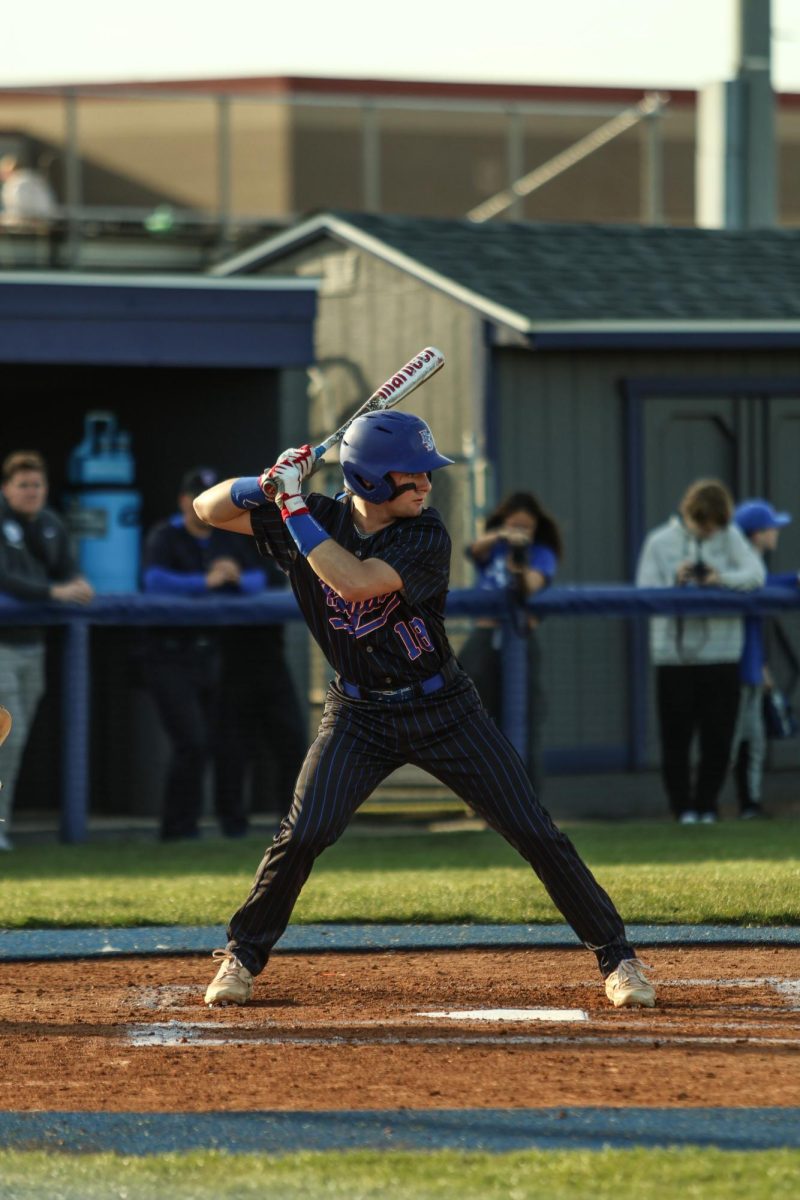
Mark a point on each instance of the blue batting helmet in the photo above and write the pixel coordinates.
(380, 442)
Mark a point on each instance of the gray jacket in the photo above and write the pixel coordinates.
(678, 641)
(33, 555)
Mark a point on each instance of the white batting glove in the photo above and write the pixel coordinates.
(301, 457)
(281, 481)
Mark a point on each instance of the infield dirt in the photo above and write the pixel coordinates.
(345, 1031)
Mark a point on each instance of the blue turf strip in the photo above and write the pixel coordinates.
(30, 944)
(492, 1130)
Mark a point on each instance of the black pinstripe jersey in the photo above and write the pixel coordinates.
(388, 641)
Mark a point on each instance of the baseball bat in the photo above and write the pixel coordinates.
(405, 381)
(416, 371)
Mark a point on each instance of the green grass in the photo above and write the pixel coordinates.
(656, 872)
(676, 1174)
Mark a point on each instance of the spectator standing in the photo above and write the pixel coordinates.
(697, 658)
(519, 551)
(26, 197)
(36, 563)
(186, 668)
(761, 525)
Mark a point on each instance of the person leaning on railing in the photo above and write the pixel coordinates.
(697, 658)
(519, 551)
(36, 563)
(761, 525)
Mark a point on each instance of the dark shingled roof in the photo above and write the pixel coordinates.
(576, 272)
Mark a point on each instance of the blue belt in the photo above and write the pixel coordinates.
(412, 692)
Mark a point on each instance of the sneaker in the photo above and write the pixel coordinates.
(5, 842)
(752, 812)
(628, 985)
(689, 817)
(232, 984)
(708, 818)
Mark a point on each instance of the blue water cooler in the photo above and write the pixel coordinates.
(104, 509)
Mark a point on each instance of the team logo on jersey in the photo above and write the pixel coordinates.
(13, 533)
(359, 617)
(427, 439)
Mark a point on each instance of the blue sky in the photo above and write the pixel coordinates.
(666, 43)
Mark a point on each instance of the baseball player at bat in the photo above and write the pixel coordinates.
(370, 571)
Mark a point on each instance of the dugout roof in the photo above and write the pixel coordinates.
(582, 285)
(165, 321)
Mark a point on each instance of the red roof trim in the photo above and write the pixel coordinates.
(320, 85)
(287, 85)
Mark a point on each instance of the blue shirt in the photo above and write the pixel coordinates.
(494, 573)
(751, 664)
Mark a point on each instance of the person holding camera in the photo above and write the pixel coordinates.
(697, 658)
(519, 551)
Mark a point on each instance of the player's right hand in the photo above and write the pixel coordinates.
(284, 479)
(75, 591)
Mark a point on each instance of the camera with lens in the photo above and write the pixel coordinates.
(519, 556)
(699, 572)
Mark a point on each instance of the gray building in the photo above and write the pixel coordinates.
(603, 367)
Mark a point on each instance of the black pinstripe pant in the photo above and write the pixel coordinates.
(450, 735)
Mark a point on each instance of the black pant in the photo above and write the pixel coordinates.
(260, 712)
(704, 701)
(450, 735)
(184, 681)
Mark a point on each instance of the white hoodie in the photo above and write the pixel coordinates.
(682, 641)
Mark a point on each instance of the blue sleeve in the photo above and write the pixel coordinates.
(542, 559)
(173, 583)
(252, 582)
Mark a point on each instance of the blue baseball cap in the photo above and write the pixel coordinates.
(752, 515)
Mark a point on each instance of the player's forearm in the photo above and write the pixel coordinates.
(351, 578)
(216, 506)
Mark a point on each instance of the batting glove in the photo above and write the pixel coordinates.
(301, 457)
(283, 483)
(291, 506)
(280, 478)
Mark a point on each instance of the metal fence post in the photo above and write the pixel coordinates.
(73, 177)
(514, 658)
(75, 732)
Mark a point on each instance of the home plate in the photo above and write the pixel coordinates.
(511, 1014)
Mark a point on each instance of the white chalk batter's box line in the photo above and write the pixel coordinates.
(172, 995)
(194, 1034)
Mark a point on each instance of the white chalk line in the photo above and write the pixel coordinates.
(193, 1034)
(168, 995)
(508, 1014)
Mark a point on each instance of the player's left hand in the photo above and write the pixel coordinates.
(301, 457)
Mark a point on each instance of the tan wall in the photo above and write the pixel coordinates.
(292, 159)
(288, 160)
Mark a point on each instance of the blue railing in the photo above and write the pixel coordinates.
(279, 607)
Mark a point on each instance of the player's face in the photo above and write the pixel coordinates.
(410, 502)
(26, 492)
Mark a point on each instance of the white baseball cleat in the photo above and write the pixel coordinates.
(232, 984)
(629, 987)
